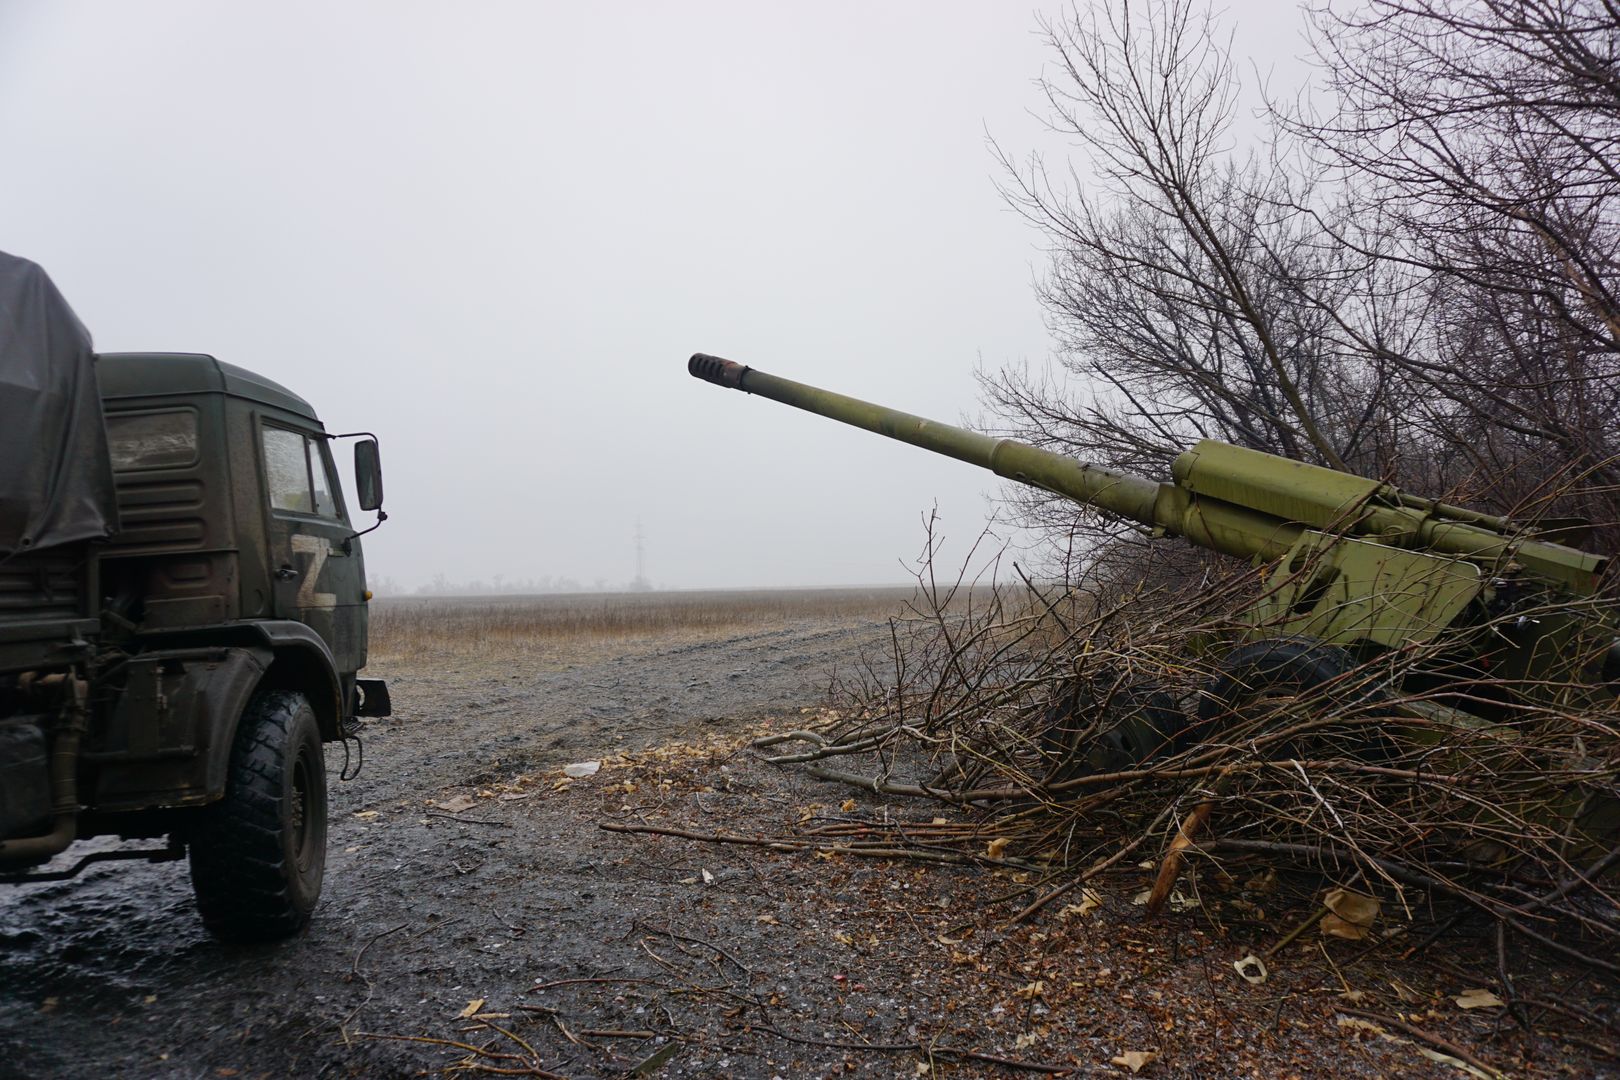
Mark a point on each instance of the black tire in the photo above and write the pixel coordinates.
(1279, 667)
(1143, 723)
(258, 854)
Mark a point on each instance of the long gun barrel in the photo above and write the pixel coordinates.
(1227, 498)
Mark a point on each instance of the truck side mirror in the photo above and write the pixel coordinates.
(368, 483)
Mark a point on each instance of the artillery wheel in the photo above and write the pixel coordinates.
(259, 853)
(1255, 677)
(1143, 723)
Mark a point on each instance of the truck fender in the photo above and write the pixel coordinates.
(166, 740)
(304, 663)
(222, 690)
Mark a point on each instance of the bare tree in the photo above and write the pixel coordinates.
(1416, 283)
(1480, 140)
(1169, 266)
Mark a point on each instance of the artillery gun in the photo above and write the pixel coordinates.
(1355, 569)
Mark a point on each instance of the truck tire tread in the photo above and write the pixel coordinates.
(248, 883)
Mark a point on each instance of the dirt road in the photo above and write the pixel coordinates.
(111, 973)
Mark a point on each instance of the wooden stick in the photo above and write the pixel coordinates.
(1091, 871)
(1445, 1046)
(1170, 868)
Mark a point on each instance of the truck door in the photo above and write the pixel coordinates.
(316, 580)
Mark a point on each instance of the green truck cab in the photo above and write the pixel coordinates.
(178, 675)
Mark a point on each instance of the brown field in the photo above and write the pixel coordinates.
(462, 625)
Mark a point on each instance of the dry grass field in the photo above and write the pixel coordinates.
(464, 625)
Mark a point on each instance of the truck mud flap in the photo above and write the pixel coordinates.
(374, 700)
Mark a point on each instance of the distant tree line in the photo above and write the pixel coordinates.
(500, 585)
(1410, 274)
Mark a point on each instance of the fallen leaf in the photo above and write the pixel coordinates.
(1352, 907)
(1253, 910)
(1252, 968)
(1455, 1063)
(1135, 1060)
(457, 804)
(708, 878)
(1032, 990)
(769, 920)
(1405, 993)
(1478, 999)
(995, 848)
(843, 938)
(471, 1010)
(366, 814)
(940, 821)
(49, 1004)
(1090, 900)
(1141, 898)
(848, 806)
(1026, 1040)
(580, 769)
(1333, 926)
(1263, 883)
(1352, 1023)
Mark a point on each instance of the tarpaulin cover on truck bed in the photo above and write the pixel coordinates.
(56, 482)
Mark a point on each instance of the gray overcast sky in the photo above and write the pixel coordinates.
(493, 232)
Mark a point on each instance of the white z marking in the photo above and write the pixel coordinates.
(315, 547)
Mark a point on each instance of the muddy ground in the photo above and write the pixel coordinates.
(473, 897)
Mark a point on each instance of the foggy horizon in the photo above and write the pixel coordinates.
(494, 233)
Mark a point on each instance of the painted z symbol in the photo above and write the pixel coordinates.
(315, 547)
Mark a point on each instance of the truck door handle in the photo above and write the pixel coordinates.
(286, 573)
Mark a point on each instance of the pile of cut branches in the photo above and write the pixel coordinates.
(1091, 723)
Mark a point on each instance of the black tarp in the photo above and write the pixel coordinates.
(56, 484)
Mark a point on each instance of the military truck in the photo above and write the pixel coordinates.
(182, 614)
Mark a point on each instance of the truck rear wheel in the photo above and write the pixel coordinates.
(257, 855)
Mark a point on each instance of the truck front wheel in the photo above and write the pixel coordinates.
(258, 854)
